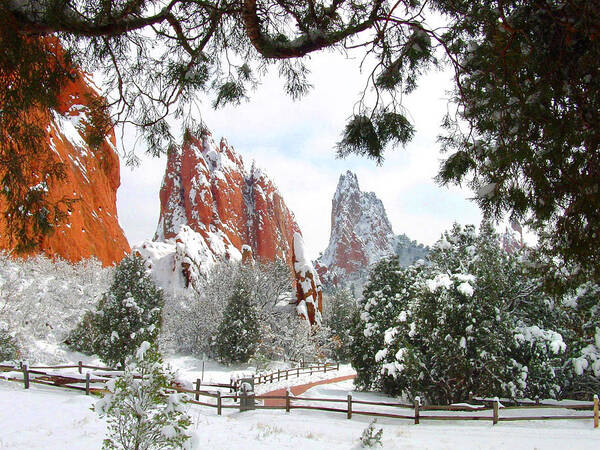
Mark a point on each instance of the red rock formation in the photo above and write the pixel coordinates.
(91, 179)
(211, 207)
(206, 188)
(361, 234)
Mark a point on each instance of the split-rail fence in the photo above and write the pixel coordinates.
(349, 406)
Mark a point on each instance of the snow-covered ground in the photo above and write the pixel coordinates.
(189, 369)
(51, 418)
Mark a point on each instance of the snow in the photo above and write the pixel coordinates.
(141, 352)
(443, 244)
(534, 334)
(199, 251)
(389, 334)
(441, 280)
(465, 289)
(579, 365)
(30, 420)
(381, 354)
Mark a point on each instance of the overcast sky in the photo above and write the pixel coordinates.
(294, 143)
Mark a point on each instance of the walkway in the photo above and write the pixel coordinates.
(300, 389)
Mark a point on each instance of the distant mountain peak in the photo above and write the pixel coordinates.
(361, 235)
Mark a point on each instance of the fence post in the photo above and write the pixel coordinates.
(495, 417)
(87, 383)
(197, 394)
(470, 396)
(287, 400)
(298, 372)
(417, 411)
(271, 377)
(325, 367)
(26, 376)
(286, 373)
(80, 366)
(278, 374)
(219, 403)
(338, 366)
(537, 400)
(596, 411)
(349, 406)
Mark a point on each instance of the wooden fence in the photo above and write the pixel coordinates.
(415, 412)
(286, 373)
(40, 375)
(419, 412)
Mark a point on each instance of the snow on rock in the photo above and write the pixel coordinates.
(361, 235)
(91, 177)
(213, 208)
(308, 286)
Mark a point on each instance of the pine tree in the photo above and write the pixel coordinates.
(127, 315)
(238, 334)
(472, 319)
(8, 347)
(384, 297)
(583, 329)
(340, 315)
(141, 414)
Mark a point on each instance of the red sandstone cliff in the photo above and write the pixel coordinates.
(211, 206)
(91, 179)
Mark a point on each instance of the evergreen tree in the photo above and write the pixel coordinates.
(340, 315)
(238, 334)
(127, 315)
(471, 320)
(384, 297)
(141, 414)
(8, 347)
(583, 331)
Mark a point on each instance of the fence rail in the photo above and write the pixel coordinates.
(296, 371)
(291, 402)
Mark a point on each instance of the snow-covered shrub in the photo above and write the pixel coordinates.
(193, 319)
(472, 320)
(127, 315)
(339, 313)
(371, 437)
(41, 299)
(140, 413)
(9, 350)
(583, 365)
(389, 289)
(238, 334)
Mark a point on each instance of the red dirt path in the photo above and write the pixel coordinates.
(300, 389)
